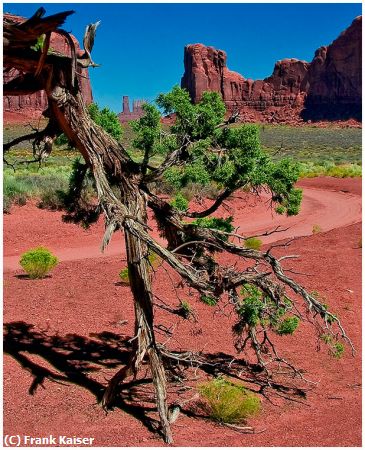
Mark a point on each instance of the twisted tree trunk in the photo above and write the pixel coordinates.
(144, 340)
(104, 155)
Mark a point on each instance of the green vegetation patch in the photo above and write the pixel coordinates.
(38, 262)
(228, 402)
(253, 243)
(312, 144)
(124, 275)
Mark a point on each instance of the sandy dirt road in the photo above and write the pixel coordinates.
(324, 207)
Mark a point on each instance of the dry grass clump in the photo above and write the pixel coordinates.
(228, 402)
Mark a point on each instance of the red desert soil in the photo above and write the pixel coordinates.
(71, 319)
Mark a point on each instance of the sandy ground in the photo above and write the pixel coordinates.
(324, 205)
(64, 335)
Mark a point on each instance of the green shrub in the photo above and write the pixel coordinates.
(124, 275)
(253, 243)
(288, 325)
(338, 350)
(185, 310)
(53, 200)
(38, 262)
(153, 258)
(280, 209)
(251, 308)
(210, 301)
(216, 223)
(311, 170)
(48, 184)
(228, 402)
(335, 348)
(180, 202)
(15, 192)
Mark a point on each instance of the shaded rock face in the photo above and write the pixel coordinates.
(335, 78)
(329, 88)
(31, 106)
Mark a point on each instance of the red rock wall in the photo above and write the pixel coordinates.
(334, 78)
(295, 91)
(24, 107)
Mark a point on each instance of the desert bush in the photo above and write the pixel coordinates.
(210, 301)
(51, 200)
(14, 192)
(253, 243)
(216, 223)
(180, 202)
(335, 349)
(48, 185)
(338, 350)
(124, 275)
(313, 145)
(228, 402)
(311, 170)
(185, 310)
(38, 262)
(316, 229)
(50, 190)
(62, 140)
(280, 209)
(154, 259)
(288, 325)
(6, 205)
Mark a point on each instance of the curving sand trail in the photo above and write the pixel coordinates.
(327, 208)
(323, 208)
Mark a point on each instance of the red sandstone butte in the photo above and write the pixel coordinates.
(328, 88)
(128, 114)
(23, 107)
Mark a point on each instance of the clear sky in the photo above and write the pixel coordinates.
(140, 46)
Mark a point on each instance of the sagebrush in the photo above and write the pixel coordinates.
(228, 402)
(38, 262)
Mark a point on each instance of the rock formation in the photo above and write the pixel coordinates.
(328, 88)
(334, 78)
(126, 115)
(23, 107)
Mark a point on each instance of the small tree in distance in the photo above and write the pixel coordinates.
(200, 147)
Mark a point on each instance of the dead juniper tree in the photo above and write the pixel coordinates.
(200, 147)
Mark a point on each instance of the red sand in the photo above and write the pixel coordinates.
(82, 298)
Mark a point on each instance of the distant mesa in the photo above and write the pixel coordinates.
(128, 114)
(23, 107)
(327, 89)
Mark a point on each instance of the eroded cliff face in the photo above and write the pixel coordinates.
(328, 88)
(23, 107)
(335, 78)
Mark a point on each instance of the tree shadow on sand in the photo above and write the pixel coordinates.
(80, 360)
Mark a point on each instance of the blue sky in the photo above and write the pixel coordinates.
(140, 46)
